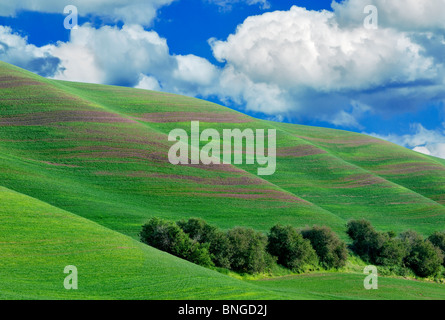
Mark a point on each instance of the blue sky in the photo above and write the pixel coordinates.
(280, 60)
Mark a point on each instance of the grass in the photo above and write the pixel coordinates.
(97, 156)
(37, 241)
(348, 286)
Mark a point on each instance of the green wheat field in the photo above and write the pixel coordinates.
(83, 166)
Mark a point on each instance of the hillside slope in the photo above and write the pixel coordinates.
(83, 166)
(37, 241)
(101, 152)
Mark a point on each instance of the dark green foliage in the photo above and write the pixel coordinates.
(367, 242)
(245, 250)
(409, 250)
(221, 249)
(160, 234)
(292, 250)
(199, 254)
(169, 237)
(438, 240)
(197, 229)
(380, 248)
(424, 258)
(392, 253)
(410, 237)
(392, 234)
(240, 249)
(331, 251)
(249, 250)
(219, 245)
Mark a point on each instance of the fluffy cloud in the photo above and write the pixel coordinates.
(236, 87)
(192, 76)
(430, 142)
(413, 15)
(113, 55)
(128, 56)
(15, 49)
(308, 59)
(134, 57)
(134, 11)
(148, 83)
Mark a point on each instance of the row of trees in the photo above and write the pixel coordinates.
(408, 250)
(248, 251)
(244, 249)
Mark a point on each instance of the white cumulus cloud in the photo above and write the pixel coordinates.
(148, 83)
(112, 55)
(16, 50)
(310, 60)
(129, 56)
(411, 15)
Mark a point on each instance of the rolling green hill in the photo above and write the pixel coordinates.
(37, 241)
(83, 166)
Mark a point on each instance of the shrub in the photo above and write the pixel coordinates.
(331, 251)
(197, 229)
(410, 250)
(161, 234)
(199, 254)
(221, 249)
(249, 251)
(367, 242)
(392, 234)
(218, 243)
(392, 253)
(424, 258)
(292, 250)
(169, 237)
(438, 240)
(410, 237)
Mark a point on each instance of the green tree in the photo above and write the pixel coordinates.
(249, 251)
(292, 250)
(424, 258)
(199, 254)
(410, 237)
(218, 243)
(169, 237)
(161, 234)
(392, 253)
(221, 249)
(438, 240)
(367, 242)
(198, 229)
(392, 234)
(331, 251)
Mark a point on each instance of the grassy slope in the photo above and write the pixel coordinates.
(96, 152)
(37, 241)
(348, 286)
(348, 174)
(103, 166)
